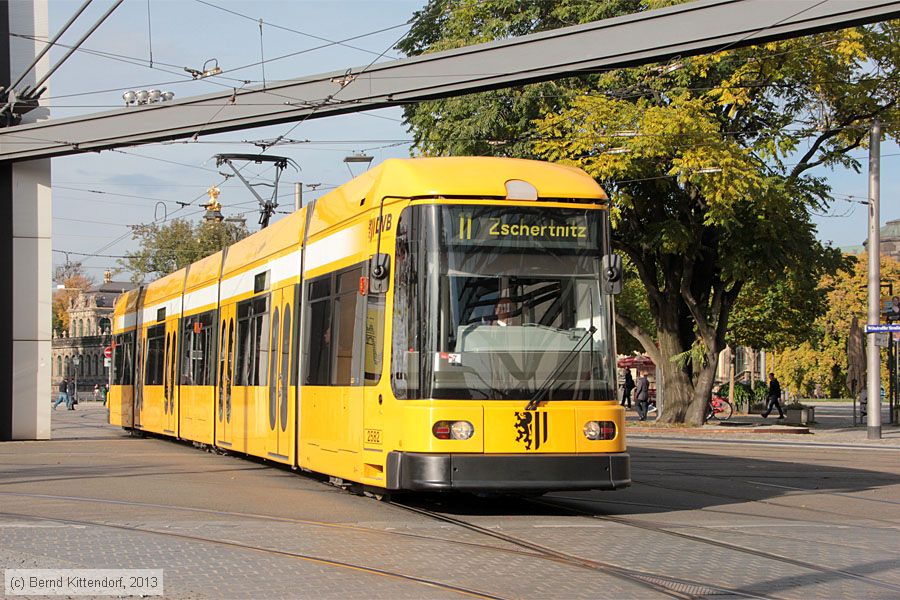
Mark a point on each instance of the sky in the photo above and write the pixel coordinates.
(97, 196)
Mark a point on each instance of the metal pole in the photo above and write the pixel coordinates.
(873, 362)
(892, 416)
(298, 196)
(49, 45)
(890, 349)
(77, 44)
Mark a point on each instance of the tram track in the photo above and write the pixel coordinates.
(670, 586)
(472, 593)
(272, 518)
(789, 520)
(660, 529)
(892, 524)
(673, 587)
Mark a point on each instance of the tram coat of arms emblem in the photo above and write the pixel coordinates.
(531, 428)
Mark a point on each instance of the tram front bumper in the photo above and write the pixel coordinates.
(510, 472)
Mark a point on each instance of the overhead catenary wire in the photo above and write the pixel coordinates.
(46, 48)
(353, 77)
(78, 43)
(284, 28)
(129, 60)
(185, 78)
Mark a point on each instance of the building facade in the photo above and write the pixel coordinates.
(78, 352)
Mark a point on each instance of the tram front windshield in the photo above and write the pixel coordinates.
(500, 303)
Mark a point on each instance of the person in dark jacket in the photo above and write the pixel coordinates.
(71, 391)
(642, 395)
(773, 397)
(626, 389)
(63, 393)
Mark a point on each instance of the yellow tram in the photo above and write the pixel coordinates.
(434, 324)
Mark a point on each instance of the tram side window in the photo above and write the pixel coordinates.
(123, 359)
(198, 350)
(252, 342)
(333, 346)
(318, 338)
(374, 337)
(404, 341)
(345, 318)
(156, 355)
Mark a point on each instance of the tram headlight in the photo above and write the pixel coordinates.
(461, 430)
(600, 430)
(453, 430)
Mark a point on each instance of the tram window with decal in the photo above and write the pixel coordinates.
(436, 324)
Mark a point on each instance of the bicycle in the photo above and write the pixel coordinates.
(719, 409)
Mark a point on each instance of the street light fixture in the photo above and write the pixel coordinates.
(142, 97)
(206, 71)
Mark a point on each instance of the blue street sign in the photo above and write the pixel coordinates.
(882, 328)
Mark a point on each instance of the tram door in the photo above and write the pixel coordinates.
(170, 383)
(279, 444)
(225, 376)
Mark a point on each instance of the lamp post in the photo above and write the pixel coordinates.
(873, 354)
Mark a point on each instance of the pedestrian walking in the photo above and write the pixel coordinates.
(63, 393)
(627, 387)
(71, 391)
(773, 397)
(96, 392)
(104, 392)
(641, 395)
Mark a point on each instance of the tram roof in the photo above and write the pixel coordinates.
(471, 176)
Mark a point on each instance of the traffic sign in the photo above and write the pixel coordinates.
(882, 328)
(107, 352)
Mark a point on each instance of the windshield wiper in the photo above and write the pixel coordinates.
(558, 371)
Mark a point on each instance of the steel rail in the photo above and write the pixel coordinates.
(670, 586)
(265, 550)
(780, 558)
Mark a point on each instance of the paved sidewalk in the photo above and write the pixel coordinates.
(833, 425)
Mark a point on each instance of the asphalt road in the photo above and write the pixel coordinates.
(703, 519)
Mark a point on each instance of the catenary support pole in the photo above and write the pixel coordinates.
(298, 196)
(873, 354)
(25, 248)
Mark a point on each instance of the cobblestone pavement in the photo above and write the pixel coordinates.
(714, 518)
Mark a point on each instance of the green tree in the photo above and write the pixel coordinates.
(822, 359)
(178, 243)
(780, 312)
(708, 161)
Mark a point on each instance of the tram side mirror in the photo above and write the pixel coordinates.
(379, 273)
(611, 274)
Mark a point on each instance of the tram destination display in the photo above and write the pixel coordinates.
(521, 227)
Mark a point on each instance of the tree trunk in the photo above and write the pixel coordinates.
(687, 390)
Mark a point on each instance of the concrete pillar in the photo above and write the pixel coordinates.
(25, 250)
